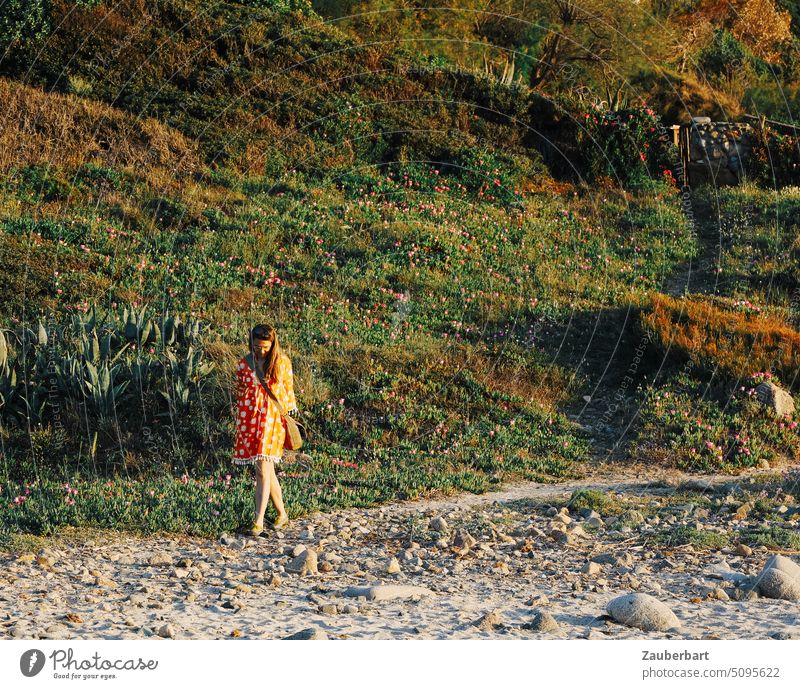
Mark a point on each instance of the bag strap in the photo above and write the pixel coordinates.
(251, 363)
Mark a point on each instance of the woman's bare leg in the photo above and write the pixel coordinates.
(275, 491)
(263, 483)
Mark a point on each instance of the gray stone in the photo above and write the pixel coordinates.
(464, 540)
(780, 401)
(304, 563)
(386, 592)
(643, 611)
(438, 524)
(160, 559)
(592, 568)
(784, 564)
(166, 631)
(310, 634)
(775, 583)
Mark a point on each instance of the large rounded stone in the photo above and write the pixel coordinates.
(777, 584)
(780, 578)
(784, 564)
(643, 611)
(387, 592)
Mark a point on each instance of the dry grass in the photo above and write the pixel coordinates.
(717, 335)
(38, 127)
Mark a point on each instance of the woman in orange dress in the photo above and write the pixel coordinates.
(260, 432)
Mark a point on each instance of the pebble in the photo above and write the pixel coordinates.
(166, 631)
(438, 524)
(592, 568)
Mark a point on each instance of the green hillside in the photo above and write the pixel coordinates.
(454, 264)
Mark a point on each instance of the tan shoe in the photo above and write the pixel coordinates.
(256, 530)
(280, 521)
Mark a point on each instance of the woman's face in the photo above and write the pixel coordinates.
(262, 348)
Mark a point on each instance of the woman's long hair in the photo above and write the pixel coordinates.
(265, 331)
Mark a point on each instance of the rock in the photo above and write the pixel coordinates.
(594, 522)
(643, 611)
(387, 592)
(539, 600)
(310, 634)
(21, 630)
(698, 485)
(304, 563)
(784, 564)
(438, 524)
(274, 580)
(719, 594)
(780, 401)
(490, 621)
(298, 549)
(105, 583)
(633, 517)
(775, 583)
(138, 599)
(543, 621)
(328, 609)
(464, 540)
(592, 568)
(393, 567)
(166, 631)
(349, 609)
(787, 635)
(160, 559)
(743, 511)
(744, 550)
(46, 559)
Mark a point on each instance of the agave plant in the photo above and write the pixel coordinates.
(184, 375)
(137, 326)
(101, 391)
(8, 376)
(32, 403)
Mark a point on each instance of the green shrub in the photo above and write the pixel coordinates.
(22, 21)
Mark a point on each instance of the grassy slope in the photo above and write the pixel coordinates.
(317, 217)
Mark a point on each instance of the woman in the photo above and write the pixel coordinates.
(259, 430)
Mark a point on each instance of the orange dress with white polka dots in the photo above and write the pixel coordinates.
(260, 432)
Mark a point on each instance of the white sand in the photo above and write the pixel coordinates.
(106, 589)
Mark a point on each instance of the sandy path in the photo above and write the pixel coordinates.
(118, 586)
